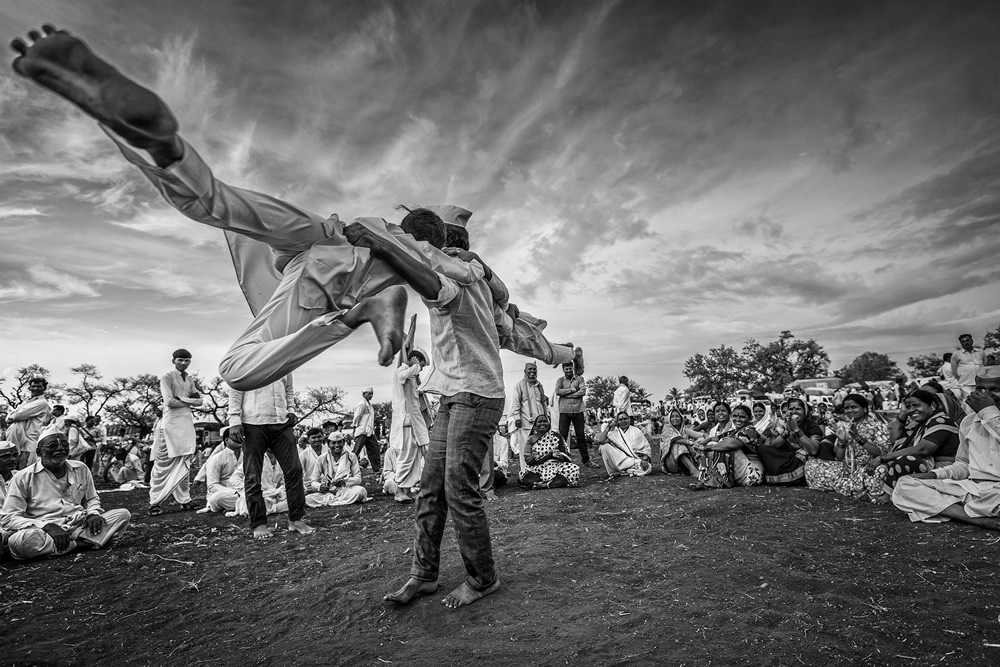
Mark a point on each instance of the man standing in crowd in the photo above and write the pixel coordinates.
(571, 390)
(527, 402)
(263, 420)
(966, 361)
(52, 506)
(622, 399)
(408, 432)
(365, 444)
(174, 442)
(25, 423)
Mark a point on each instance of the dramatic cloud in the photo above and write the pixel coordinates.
(652, 178)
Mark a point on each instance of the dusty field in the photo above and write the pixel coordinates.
(630, 572)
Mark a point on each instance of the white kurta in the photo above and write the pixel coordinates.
(408, 436)
(25, 424)
(347, 470)
(622, 400)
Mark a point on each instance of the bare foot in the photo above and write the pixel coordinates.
(411, 589)
(66, 66)
(385, 312)
(491, 495)
(300, 527)
(265, 533)
(466, 594)
(402, 496)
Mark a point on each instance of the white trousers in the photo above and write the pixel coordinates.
(34, 542)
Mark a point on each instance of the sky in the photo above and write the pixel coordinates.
(654, 179)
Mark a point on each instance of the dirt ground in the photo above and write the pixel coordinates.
(629, 572)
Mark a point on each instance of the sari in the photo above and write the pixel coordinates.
(938, 429)
(851, 476)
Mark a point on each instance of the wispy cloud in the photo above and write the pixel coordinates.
(43, 283)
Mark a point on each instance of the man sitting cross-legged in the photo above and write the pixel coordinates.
(52, 506)
(338, 478)
(968, 490)
(272, 488)
(221, 496)
(8, 464)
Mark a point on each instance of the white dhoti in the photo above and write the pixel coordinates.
(223, 500)
(925, 499)
(347, 495)
(31, 543)
(170, 476)
(409, 461)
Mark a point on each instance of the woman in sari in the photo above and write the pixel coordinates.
(545, 460)
(804, 432)
(929, 439)
(783, 461)
(859, 440)
(676, 445)
(730, 451)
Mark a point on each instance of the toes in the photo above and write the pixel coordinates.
(34, 35)
(48, 29)
(19, 46)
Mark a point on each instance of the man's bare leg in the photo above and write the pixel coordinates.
(413, 588)
(65, 65)
(300, 527)
(385, 312)
(466, 594)
(957, 512)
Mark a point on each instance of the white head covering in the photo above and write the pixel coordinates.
(765, 421)
(7, 446)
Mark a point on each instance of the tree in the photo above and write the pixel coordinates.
(321, 402)
(869, 366)
(17, 391)
(214, 400)
(674, 395)
(89, 392)
(924, 365)
(774, 366)
(601, 391)
(719, 373)
(991, 347)
(138, 403)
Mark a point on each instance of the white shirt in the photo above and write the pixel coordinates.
(267, 405)
(966, 364)
(364, 418)
(220, 467)
(406, 407)
(527, 402)
(622, 401)
(978, 456)
(36, 497)
(25, 423)
(464, 341)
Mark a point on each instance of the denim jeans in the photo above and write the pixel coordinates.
(459, 443)
(576, 419)
(280, 439)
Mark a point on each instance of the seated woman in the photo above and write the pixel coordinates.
(624, 449)
(545, 459)
(676, 445)
(729, 455)
(929, 439)
(782, 459)
(804, 432)
(860, 442)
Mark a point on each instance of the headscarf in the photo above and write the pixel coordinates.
(764, 423)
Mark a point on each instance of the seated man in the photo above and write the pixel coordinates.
(501, 456)
(52, 506)
(968, 490)
(338, 481)
(127, 466)
(220, 495)
(8, 464)
(309, 455)
(624, 448)
(272, 486)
